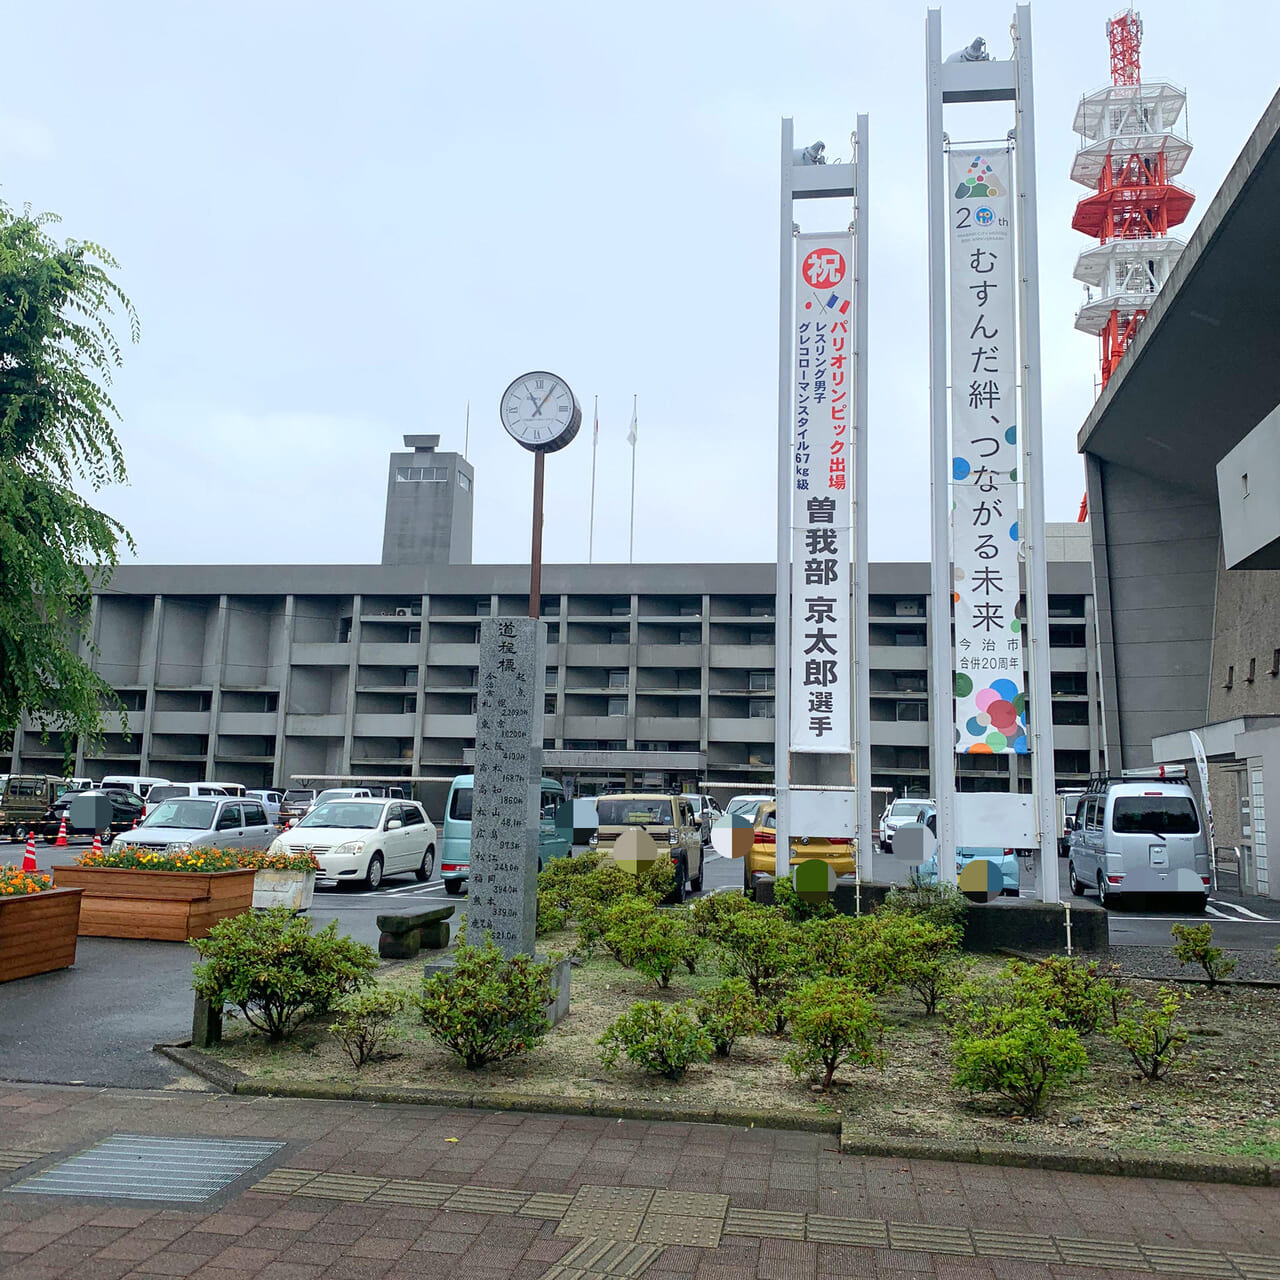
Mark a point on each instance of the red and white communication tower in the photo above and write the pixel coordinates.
(1130, 150)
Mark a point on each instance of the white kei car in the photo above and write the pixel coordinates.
(363, 839)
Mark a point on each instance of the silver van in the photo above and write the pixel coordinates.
(1134, 835)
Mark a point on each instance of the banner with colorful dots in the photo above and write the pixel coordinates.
(990, 699)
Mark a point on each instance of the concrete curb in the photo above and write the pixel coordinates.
(1177, 1166)
(231, 1080)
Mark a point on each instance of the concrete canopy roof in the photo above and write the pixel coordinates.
(1203, 369)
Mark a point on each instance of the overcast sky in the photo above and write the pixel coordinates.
(339, 223)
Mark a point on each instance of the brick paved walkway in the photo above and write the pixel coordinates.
(367, 1192)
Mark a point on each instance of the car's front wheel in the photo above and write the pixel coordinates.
(373, 875)
(1077, 888)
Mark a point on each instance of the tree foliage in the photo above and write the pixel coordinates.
(57, 354)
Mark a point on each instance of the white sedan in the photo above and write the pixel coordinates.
(364, 839)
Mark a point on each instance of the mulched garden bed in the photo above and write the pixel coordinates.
(1222, 1097)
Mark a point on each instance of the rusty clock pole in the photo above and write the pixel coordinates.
(540, 412)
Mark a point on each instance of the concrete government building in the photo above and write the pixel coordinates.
(657, 674)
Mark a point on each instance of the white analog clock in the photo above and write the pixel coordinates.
(540, 412)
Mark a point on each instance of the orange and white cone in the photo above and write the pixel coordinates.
(62, 831)
(29, 857)
(97, 842)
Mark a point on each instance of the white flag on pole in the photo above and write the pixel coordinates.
(631, 432)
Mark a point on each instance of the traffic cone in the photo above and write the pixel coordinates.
(97, 842)
(29, 857)
(135, 823)
(62, 831)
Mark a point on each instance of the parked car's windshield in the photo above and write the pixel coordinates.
(197, 815)
(906, 809)
(156, 794)
(298, 797)
(1160, 815)
(745, 805)
(361, 815)
(637, 812)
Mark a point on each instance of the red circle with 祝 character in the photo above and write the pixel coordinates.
(823, 268)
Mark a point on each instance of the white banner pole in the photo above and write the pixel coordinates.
(782, 585)
(1040, 729)
(942, 754)
(861, 609)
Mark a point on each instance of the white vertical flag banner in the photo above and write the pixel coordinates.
(822, 497)
(990, 697)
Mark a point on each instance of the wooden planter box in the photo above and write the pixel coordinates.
(167, 905)
(294, 889)
(38, 932)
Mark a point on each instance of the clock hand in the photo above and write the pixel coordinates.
(537, 408)
(545, 399)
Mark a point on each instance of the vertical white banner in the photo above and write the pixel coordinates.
(822, 497)
(990, 697)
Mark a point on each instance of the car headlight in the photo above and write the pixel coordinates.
(350, 849)
(277, 846)
(178, 846)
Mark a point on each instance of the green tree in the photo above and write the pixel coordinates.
(57, 354)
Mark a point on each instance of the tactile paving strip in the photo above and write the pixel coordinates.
(12, 1158)
(645, 1220)
(774, 1224)
(613, 1258)
(144, 1167)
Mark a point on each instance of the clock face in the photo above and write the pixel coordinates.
(540, 411)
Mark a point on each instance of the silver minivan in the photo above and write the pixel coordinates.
(207, 822)
(1139, 836)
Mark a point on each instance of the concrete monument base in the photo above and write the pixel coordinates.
(558, 1007)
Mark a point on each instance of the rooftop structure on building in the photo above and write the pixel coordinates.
(1131, 149)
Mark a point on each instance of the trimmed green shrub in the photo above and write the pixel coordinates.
(366, 1022)
(1149, 1031)
(608, 884)
(1193, 944)
(912, 951)
(727, 1011)
(832, 1026)
(1015, 1051)
(765, 949)
(706, 913)
(1070, 993)
(942, 904)
(653, 941)
(665, 1039)
(796, 908)
(1073, 992)
(487, 1007)
(272, 968)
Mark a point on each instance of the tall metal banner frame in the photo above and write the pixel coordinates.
(801, 179)
(953, 82)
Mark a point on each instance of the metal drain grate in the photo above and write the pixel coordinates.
(136, 1167)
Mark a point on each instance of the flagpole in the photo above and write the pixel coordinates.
(595, 444)
(631, 548)
(466, 439)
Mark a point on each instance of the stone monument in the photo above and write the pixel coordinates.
(506, 801)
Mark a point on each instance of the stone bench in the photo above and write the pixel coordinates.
(403, 936)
